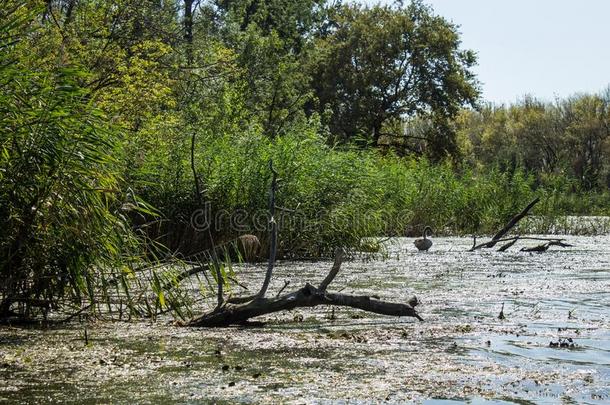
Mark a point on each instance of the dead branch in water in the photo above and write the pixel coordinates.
(545, 246)
(506, 246)
(240, 310)
(512, 241)
(499, 237)
(514, 221)
(308, 296)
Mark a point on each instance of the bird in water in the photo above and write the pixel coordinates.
(424, 243)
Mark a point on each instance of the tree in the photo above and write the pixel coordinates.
(587, 130)
(292, 21)
(383, 63)
(551, 140)
(272, 40)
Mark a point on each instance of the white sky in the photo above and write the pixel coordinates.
(546, 48)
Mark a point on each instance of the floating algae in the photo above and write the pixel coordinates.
(462, 352)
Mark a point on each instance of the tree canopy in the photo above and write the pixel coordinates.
(386, 63)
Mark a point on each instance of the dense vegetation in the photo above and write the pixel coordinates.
(371, 116)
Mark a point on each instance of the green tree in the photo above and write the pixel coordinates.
(382, 63)
(272, 41)
(292, 21)
(586, 120)
(568, 139)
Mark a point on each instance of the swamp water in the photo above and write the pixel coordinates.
(461, 353)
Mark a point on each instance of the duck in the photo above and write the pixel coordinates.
(424, 243)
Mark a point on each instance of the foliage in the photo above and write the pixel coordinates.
(62, 231)
(182, 104)
(563, 142)
(272, 41)
(383, 63)
(335, 196)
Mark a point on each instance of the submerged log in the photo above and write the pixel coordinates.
(545, 246)
(511, 241)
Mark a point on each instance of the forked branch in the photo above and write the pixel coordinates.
(308, 296)
(499, 237)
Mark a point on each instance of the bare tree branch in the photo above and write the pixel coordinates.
(273, 223)
(513, 239)
(339, 255)
(240, 310)
(308, 296)
(513, 222)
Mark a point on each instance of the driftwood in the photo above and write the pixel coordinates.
(307, 296)
(514, 221)
(545, 246)
(510, 241)
(239, 310)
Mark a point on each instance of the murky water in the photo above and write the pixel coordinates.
(461, 353)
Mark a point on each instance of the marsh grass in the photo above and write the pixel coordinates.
(65, 239)
(330, 195)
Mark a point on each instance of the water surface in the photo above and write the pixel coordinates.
(462, 352)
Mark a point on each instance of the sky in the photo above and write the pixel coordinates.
(544, 48)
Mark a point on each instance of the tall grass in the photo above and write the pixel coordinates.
(331, 196)
(72, 224)
(63, 236)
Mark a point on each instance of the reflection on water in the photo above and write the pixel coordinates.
(461, 353)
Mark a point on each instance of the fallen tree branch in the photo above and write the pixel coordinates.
(240, 309)
(506, 246)
(308, 296)
(545, 246)
(499, 237)
(512, 223)
(492, 243)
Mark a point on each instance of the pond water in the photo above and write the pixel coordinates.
(462, 352)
